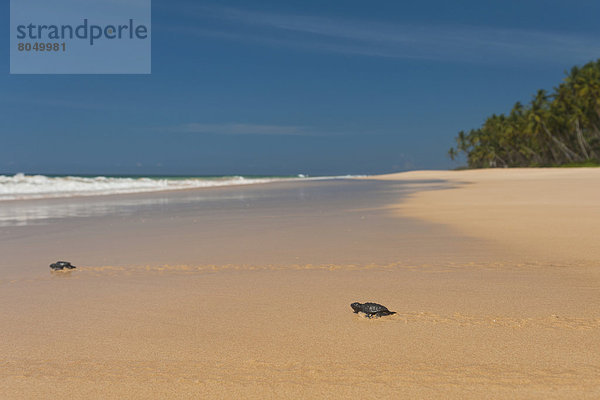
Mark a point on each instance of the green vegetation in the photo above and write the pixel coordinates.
(590, 163)
(561, 128)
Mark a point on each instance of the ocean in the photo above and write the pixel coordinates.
(25, 187)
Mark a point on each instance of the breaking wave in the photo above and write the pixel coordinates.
(22, 187)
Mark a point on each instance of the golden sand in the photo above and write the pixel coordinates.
(501, 301)
(544, 214)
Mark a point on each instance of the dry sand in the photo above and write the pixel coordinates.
(541, 214)
(493, 274)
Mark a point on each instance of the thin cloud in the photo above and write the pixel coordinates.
(241, 129)
(235, 128)
(369, 38)
(52, 102)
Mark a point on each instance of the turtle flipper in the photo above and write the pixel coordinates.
(384, 313)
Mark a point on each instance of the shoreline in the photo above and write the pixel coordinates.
(233, 181)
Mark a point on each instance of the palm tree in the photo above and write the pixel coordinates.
(555, 128)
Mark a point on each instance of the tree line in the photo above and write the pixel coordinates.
(558, 128)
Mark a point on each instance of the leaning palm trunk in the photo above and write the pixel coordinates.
(570, 154)
(534, 154)
(581, 140)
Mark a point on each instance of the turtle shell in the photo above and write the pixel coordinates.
(369, 308)
(59, 265)
(373, 308)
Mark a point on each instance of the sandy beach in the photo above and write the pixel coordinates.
(244, 292)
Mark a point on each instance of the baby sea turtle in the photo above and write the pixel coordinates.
(60, 265)
(371, 309)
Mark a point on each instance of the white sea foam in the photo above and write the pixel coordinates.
(22, 187)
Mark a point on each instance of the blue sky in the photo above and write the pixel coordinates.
(288, 87)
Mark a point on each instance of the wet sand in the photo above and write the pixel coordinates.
(245, 293)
